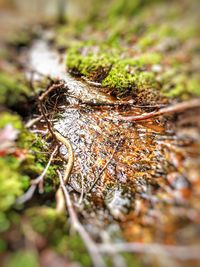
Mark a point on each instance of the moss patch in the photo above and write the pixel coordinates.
(22, 259)
(113, 71)
(16, 172)
(137, 44)
(8, 118)
(13, 89)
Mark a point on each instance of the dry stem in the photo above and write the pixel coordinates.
(179, 252)
(179, 107)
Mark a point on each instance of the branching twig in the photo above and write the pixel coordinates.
(58, 137)
(41, 99)
(30, 123)
(29, 193)
(179, 107)
(89, 243)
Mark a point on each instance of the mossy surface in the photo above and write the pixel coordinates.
(24, 162)
(148, 45)
(23, 258)
(11, 187)
(13, 89)
(9, 118)
(112, 70)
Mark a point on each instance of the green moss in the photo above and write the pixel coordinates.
(3, 245)
(139, 40)
(125, 75)
(146, 41)
(15, 174)
(146, 80)
(36, 159)
(148, 59)
(131, 260)
(13, 89)
(120, 76)
(10, 181)
(44, 219)
(77, 251)
(23, 259)
(111, 70)
(92, 62)
(180, 85)
(8, 118)
(12, 185)
(193, 86)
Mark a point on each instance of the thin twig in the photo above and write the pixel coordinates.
(31, 122)
(27, 195)
(41, 99)
(96, 84)
(42, 175)
(70, 162)
(50, 89)
(179, 107)
(42, 132)
(89, 243)
(82, 190)
(179, 252)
